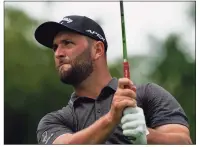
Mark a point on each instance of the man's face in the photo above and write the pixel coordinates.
(72, 57)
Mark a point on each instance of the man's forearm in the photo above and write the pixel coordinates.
(156, 137)
(97, 133)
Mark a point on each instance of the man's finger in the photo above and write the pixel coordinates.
(127, 92)
(124, 82)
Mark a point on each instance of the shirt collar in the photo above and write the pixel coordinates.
(112, 84)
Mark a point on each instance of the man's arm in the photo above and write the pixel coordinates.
(169, 134)
(53, 129)
(165, 118)
(97, 133)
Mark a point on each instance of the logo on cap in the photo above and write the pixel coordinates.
(68, 20)
(97, 34)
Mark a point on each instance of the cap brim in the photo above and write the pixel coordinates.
(46, 32)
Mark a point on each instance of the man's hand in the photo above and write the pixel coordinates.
(134, 125)
(123, 98)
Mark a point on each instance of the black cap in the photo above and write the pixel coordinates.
(46, 32)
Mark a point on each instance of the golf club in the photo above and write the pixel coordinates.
(125, 62)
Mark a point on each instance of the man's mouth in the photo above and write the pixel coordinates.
(64, 66)
(61, 64)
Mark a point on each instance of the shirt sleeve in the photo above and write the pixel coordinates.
(162, 108)
(53, 125)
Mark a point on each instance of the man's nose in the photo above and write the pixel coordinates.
(60, 52)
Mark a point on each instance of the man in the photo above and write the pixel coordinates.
(101, 110)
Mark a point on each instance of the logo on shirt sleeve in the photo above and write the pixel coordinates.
(45, 137)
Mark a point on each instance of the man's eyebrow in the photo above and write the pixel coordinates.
(62, 41)
(55, 42)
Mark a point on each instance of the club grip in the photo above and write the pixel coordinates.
(127, 74)
(126, 70)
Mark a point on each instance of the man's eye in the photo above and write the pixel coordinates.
(66, 42)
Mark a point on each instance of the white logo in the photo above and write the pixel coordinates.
(68, 20)
(94, 32)
(45, 137)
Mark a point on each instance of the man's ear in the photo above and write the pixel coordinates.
(98, 50)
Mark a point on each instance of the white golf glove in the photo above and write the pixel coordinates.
(134, 125)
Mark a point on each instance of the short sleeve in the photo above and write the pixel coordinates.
(53, 125)
(161, 108)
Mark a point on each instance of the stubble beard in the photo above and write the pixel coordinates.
(81, 68)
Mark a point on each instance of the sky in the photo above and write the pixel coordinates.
(142, 19)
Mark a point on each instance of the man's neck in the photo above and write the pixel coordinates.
(92, 86)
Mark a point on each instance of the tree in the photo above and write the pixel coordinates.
(32, 87)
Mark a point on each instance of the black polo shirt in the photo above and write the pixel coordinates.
(159, 107)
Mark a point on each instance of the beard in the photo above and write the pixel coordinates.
(80, 69)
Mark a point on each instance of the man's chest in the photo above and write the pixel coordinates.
(87, 113)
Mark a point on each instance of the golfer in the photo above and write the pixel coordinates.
(101, 110)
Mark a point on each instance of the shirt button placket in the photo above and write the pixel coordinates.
(98, 110)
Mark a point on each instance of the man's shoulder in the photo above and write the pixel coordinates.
(149, 91)
(56, 121)
(62, 111)
(154, 93)
(143, 88)
(57, 115)
(144, 85)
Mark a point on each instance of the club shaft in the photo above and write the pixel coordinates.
(123, 31)
(125, 64)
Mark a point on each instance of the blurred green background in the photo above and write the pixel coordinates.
(32, 87)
